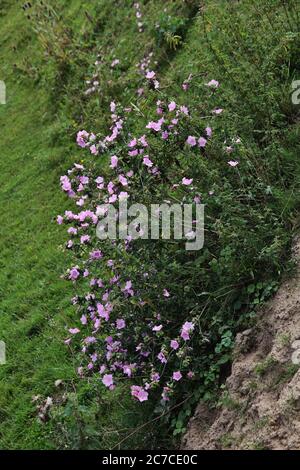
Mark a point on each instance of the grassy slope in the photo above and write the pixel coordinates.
(34, 302)
(32, 294)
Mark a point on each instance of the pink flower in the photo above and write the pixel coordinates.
(133, 153)
(174, 344)
(155, 377)
(202, 142)
(110, 187)
(166, 293)
(94, 150)
(208, 131)
(150, 75)
(82, 137)
(186, 181)
(120, 324)
(217, 111)
(184, 110)
(112, 106)
(147, 161)
(139, 393)
(233, 163)
(115, 62)
(99, 180)
(108, 380)
(128, 288)
(191, 140)
(112, 199)
(103, 313)
(114, 162)
(155, 126)
(74, 331)
(177, 376)
(162, 358)
(172, 106)
(59, 219)
(74, 274)
(143, 141)
(187, 328)
(190, 235)
(123, 195)
(78, 167)
(84, 180)
(123, 180)
(157, 328)
(85, 239)
(132, 143)
(97, 254)
(65, 183)
(127, 370)
(213, 84)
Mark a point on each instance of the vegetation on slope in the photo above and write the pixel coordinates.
(252, 49)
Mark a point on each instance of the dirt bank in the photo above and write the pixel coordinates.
(260, 407)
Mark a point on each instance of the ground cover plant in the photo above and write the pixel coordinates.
(188, 103)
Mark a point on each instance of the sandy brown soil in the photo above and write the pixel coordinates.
(260, 408)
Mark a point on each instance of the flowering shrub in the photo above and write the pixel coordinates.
(148, 310)
(125, 329)
(148, 313)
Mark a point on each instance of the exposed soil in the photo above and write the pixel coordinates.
(260, 408)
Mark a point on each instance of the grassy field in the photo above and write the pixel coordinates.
(253, 50)
(33, 299)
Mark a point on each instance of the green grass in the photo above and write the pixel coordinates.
(33, 299)
(255, 60)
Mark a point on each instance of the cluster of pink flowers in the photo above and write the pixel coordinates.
(232, 148)
(170, 115)
(96, 146)
(117, 341)
(152, 79)
(145, 68)
(201, 142)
